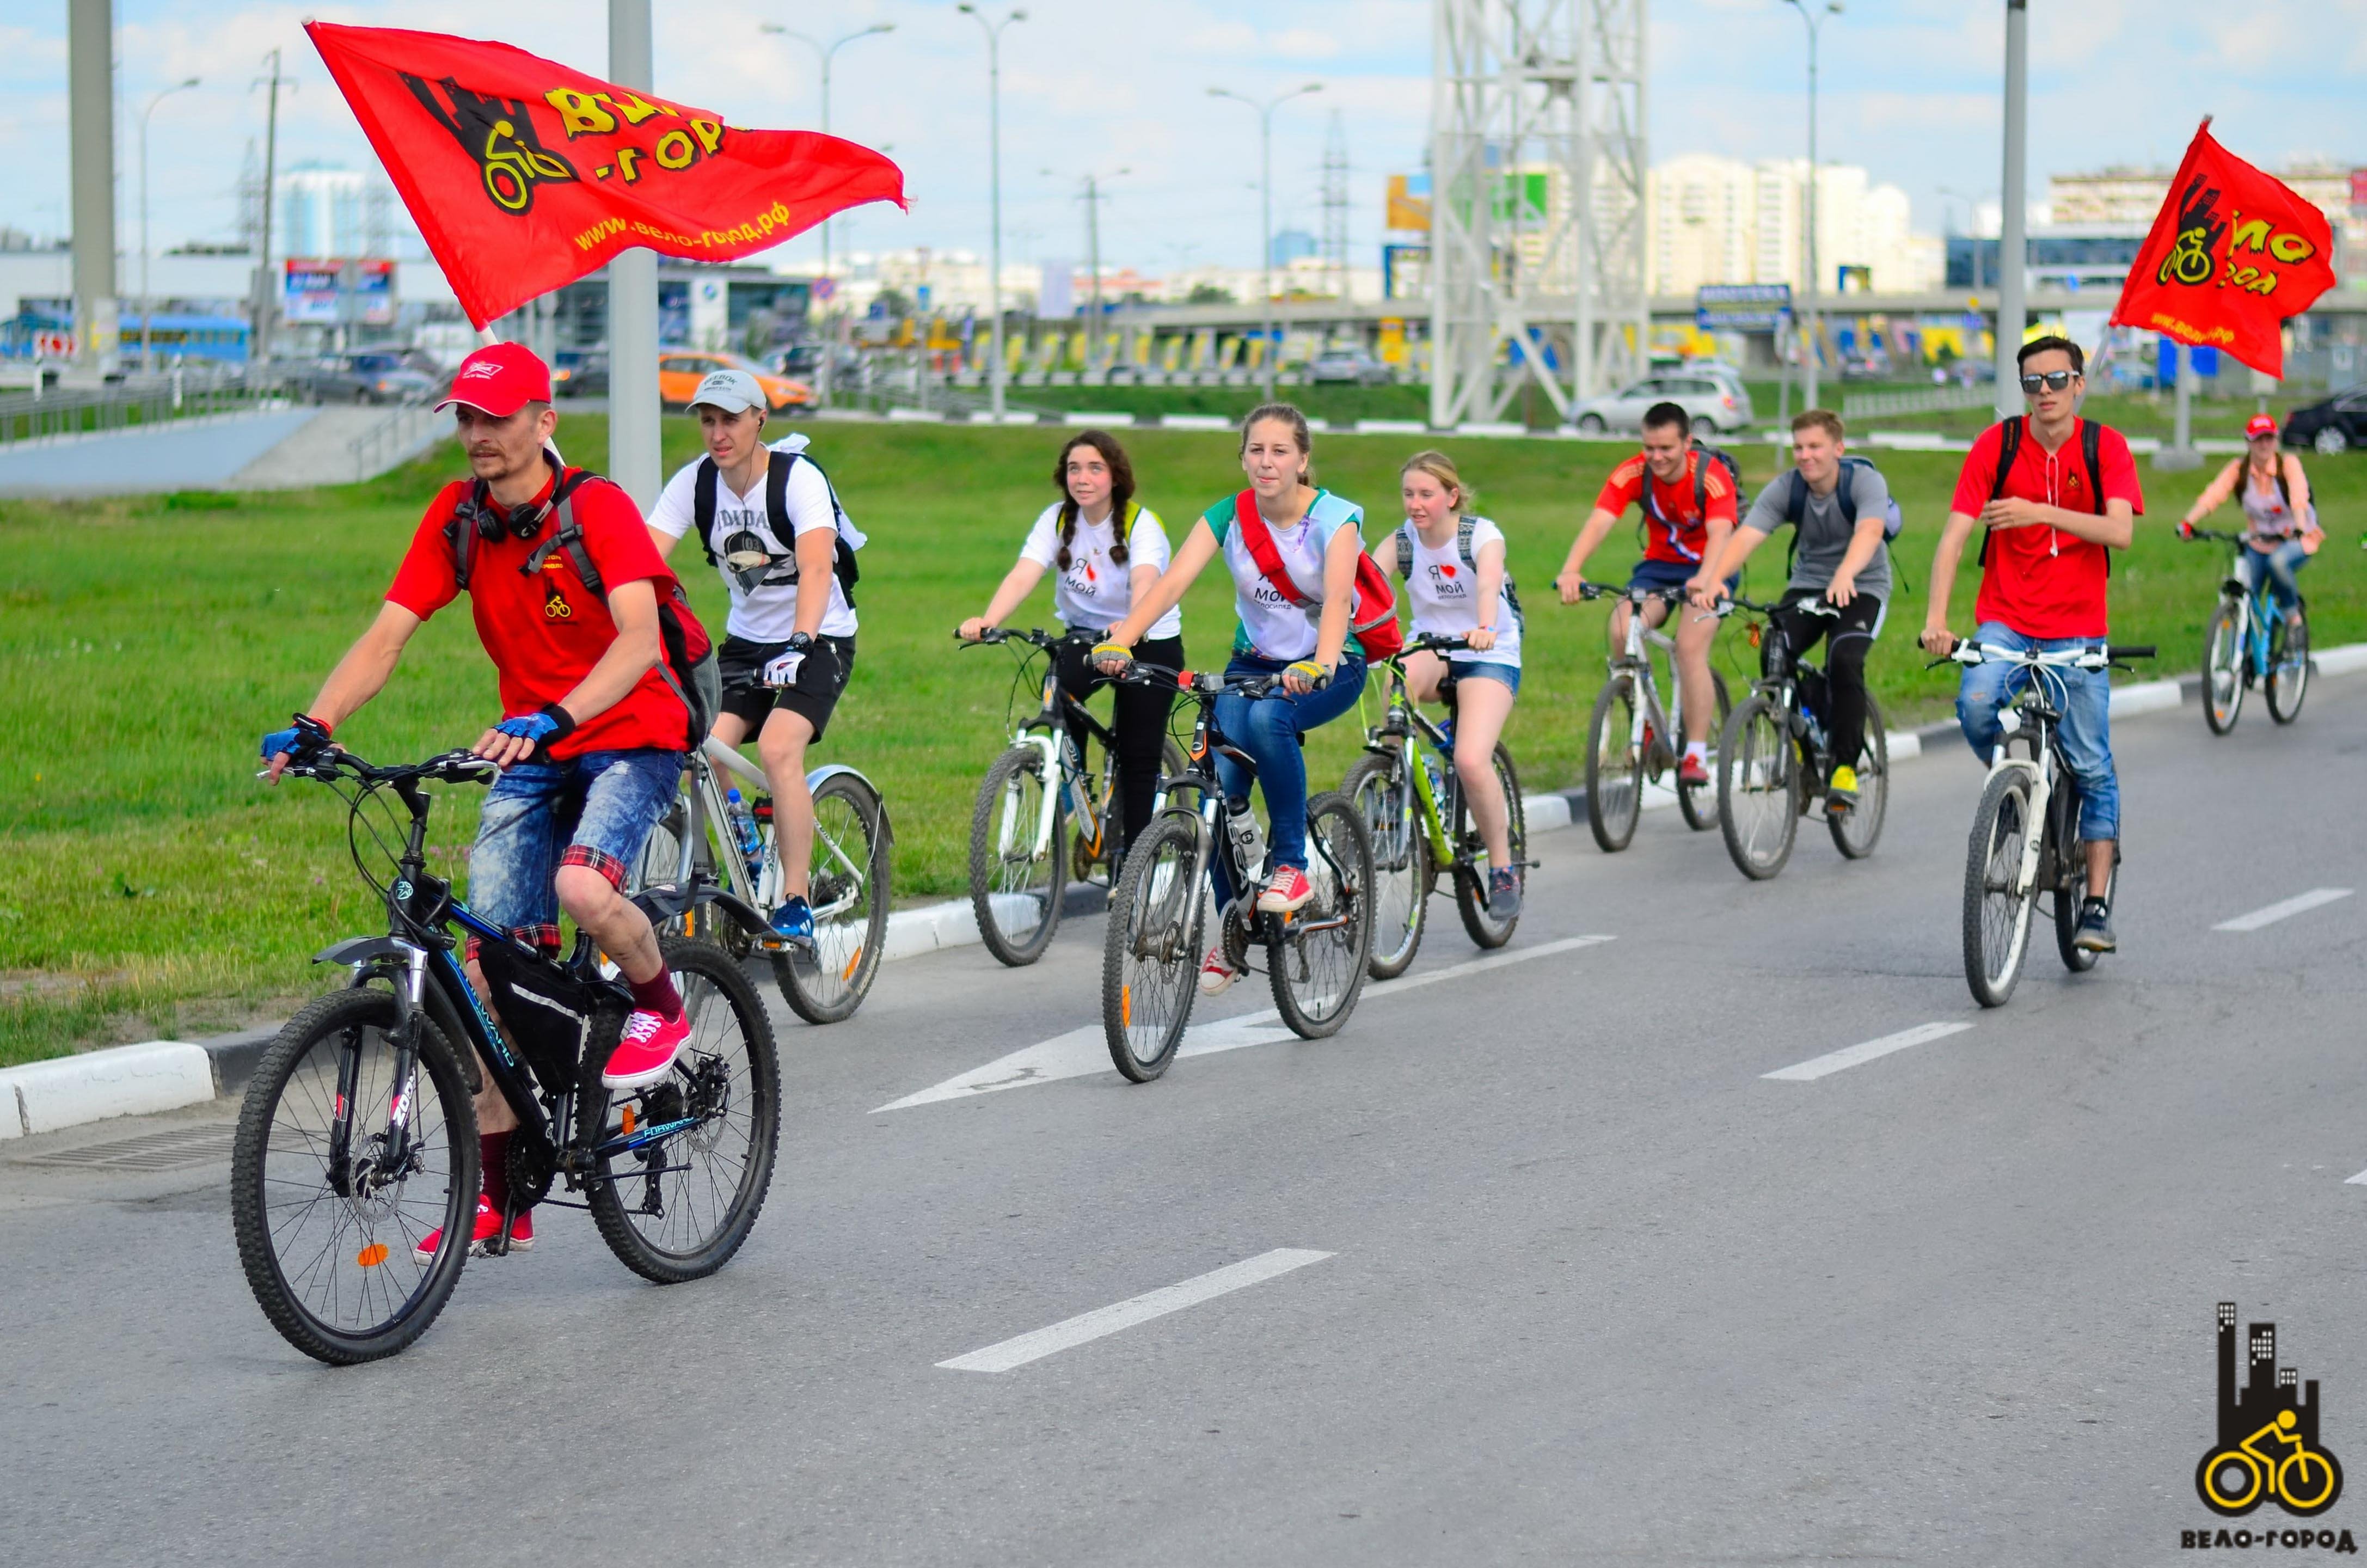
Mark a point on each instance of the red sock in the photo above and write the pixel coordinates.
(493, 1160)
(657, 995)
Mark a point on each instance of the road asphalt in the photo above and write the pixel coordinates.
(1532, 1263)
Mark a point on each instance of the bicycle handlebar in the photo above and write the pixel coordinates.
(450, 768)
(1041, 639)
(1200, 684)
(1633, 596)
(2095, 656)
(2223, 536)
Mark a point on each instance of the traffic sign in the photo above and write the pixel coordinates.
(1742, 307)
(823, 287)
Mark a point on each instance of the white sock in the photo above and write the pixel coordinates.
(1697, 751)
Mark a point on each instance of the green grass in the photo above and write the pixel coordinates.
(154, 886)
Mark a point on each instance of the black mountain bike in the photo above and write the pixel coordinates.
(1775, 757)
(357, 1136)
(1043, 817)
(1159, 911)
(1419, 822)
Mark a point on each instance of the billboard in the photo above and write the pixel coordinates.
(330, 290)
(1742, 307)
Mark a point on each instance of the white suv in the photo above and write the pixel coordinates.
(1712, 396)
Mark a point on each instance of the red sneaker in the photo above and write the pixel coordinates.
(1692, 770)
(646, 1053)
(488, 1226)
(1217, 976)
(1284, 891)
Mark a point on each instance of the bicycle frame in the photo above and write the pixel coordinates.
(1665, 720)
(1063, 767)
(737, 892)
(1403, 726)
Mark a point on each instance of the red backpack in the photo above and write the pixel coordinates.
(1374, 620)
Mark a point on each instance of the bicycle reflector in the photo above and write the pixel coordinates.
(372, 1256)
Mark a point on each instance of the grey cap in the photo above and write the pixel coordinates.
(730, 391)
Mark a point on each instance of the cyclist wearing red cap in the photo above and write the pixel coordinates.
(594, 722)
(2282, 531)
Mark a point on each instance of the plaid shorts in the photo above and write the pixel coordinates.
(593, 810)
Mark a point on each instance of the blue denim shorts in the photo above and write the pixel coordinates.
(1484, 669)
(593, 810)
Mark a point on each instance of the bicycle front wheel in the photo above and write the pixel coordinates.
(329, 1240)
(1856, 830)
(1471, 877)
(1698, 803)
(1316, 956)
(2288, 671)
(1615, 766)
(1403, 871)
(850, 903)
(1151, 954)
(1996, 911)
(1016, 858)
(2222, 668)
(1758, 788)
(680, 1167)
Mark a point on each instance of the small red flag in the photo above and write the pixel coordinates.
(523, 175)
(2231, 255)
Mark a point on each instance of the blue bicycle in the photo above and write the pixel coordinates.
(2250, 642)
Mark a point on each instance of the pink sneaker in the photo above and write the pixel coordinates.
(1284, 891)
(488, 1226)
(646, 1053)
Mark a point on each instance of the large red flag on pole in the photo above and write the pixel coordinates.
(2232, 255)
(523, 175)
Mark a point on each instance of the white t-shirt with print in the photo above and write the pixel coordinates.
(768, 612)
(1445, 593)
(1096, 593)
(1272, 627)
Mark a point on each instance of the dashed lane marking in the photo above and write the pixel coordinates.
(2300, 904)
(1851, 1056)
(1102, 1321)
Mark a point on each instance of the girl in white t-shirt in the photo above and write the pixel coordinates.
(1317, 536)
(1100, 577)
(1467, 597)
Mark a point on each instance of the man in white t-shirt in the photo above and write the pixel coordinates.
(786, 653)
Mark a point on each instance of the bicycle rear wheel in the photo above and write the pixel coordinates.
(328, 1245)
(2288, 671)
(1997, 916)
(680, 1168)
(1017, 870)
(1758, 787)
(2222, 668)
(1472, 876)
(1856, 831)
(1697, 803)
(1316, 956)
(1614, 764)
(1403, 872)
(849, 897)
(1151, 953)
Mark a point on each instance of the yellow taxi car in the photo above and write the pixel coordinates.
(681, 369)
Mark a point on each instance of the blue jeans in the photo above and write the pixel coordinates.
(2086, 731)
(2280, 563)
(593, 810)
(1268, 729)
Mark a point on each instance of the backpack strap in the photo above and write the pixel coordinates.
(1405, 550)
(702, 507)
(2091, 448)
(1258, 540)
(568, 537)
(461, 532)
(2008, 449)
(843, 563)
(1466, 526)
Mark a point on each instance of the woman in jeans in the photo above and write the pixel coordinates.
(1109, 552)
(2281, 522)
(1300, 636)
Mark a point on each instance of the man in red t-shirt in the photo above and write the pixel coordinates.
(2052, 517)
(591, 739)
(1689, 511)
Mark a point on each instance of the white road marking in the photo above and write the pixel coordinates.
(2299, 903)
(1850, 1056)
(1105, 1321)
(1080, 1053)
(2359, 1180)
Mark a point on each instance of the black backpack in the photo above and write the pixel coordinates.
(2091, 444)
(777, 514)
(1465, 527)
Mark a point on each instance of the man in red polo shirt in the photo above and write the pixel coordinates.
(591, 734)
(2056, 495)
(1689, 511)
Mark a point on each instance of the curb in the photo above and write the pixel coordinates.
(138, 1080)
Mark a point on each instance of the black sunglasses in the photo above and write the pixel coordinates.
(2052, 380)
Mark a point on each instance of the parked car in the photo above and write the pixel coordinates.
(372, 376)
(580, 372)
(2336, 425)
(1874, 364)
(1715, 398)
(1356, 367)
(681, 369)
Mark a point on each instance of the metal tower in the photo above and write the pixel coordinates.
(1537, 163)
(1335, 205)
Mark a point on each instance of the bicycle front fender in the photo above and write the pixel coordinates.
(362, 950)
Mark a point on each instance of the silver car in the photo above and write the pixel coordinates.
(1714, 400)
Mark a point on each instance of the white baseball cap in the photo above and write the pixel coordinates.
(730, 391)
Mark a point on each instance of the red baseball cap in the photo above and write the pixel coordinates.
(500, 378)
(2259, 424)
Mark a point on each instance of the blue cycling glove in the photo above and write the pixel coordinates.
(550, 722)
(296, 739)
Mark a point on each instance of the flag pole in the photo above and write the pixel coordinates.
(633, 411)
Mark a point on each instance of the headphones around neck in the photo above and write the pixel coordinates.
(491, 519)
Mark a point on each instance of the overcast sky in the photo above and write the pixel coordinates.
(1910, 89)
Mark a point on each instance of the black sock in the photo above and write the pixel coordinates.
(657, 993)
(493, 1160)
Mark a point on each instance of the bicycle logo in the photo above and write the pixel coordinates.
(556, 607)
(500, 135)
(2198, 228)
(2267, 1443)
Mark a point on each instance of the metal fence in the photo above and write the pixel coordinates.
(398, 438)
(32, 416)
(1922, 400)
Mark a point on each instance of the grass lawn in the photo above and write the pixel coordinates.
(153, 886)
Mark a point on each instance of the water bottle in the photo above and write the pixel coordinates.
(1437, 783)
(1249, 839)
(744, 834)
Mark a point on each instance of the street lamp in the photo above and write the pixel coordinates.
(997, 371)
(147, 303)
(1815, 20)
(824, 53)
(1091, 197)
(1265, 205)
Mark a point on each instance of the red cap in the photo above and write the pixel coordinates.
(2259, 424)
(500, 378)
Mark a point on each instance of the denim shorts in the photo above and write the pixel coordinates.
(1486, 669)
(593, 810)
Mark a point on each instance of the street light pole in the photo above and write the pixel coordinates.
(2013, 245)
(996, 371)
(825, 53)
(147, 301)
(1814, 20)
(1265, 207)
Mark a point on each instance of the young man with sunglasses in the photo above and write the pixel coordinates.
(2056, 494)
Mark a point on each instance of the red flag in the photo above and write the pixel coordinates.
(523, 175)
(2232, 254)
